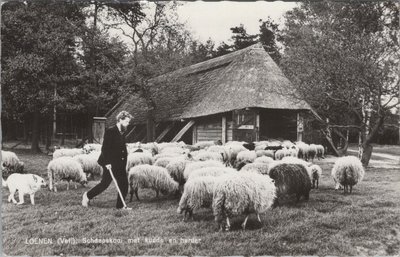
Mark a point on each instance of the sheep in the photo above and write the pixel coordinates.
(174, 150)
(291, 179)
(316, 173)
(150, 147)
(88, 148)
(71, 152)
(312, 151)
(221, 150)
(245, 157)
(164, 161)
(210, 171)
(65, 168)
(279, 154)
(263, 159)
(204, 144)
(190, 167)
(287, 144)
(162, 146)
(233, 148)
(89, 164)
(259, 167)
(320, 152)
(294, 160)
(206, 156)
(243, 193)
(347, 171)
(176, 168)
(148, 176)
(138, 158)
(268, 153)
(197, 193)
(166, 155)
(10, 164)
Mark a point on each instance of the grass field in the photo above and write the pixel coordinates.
(330, 223)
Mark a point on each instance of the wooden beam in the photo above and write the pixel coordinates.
(258, 126)
(223, 138)
(183, 131)
(194, 134)
(300, 127)
(165, 132)
(130, 132)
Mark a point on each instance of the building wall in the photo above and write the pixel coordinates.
(210, 128)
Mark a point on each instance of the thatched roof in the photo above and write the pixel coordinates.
(245, 78)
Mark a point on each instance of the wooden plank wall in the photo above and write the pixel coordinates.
(210, 129)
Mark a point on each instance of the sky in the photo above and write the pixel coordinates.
(214, 19)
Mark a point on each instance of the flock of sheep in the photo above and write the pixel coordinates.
(233, 179)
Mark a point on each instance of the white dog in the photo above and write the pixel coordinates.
(24, 184)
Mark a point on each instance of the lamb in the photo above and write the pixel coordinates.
(89, 164)
(347, 171)
(10, 164)
(138, 158)
(148, 176)
(291, 179)
(190, 167)
(320, 152)
(211, 171)
(244, 193)
(65, 168)
(67, 152)
(197, 193)
(316, 173)
(245, 157)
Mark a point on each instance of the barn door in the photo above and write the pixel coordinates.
(244, 125)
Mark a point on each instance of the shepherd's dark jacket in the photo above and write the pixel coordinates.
(113, 150)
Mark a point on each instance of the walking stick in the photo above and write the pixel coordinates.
(116, 184)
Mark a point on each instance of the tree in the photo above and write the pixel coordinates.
(344, 59)
(269, 36)
(38, 45)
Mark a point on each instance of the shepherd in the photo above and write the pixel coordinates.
(113, 161)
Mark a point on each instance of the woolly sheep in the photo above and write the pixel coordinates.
(10, 164)
(263, 159)
(148, 176)
(233, 149)
(71, 152)
(244, 193)
(164, 161)
(176, 168)
(206, 156)
(259, 167)
(320, 152)
(88, 148)
(294, 160)
(89, 164)
(166, 155)
(302, 152)
(245, 157)
(138, 158)
(279, 154)
(161, 146)
(347, 171)
(190, 167)
(211, 171)
(312, 151)
(197, 193)
(287, 144)
(204, 144)
(221, 150)
(65, 168)
(316, 173)
(291, 179)
(268, 153)
(174, 150)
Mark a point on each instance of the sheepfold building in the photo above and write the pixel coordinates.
(240, 96)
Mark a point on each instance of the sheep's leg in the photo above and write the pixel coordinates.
(11, 197)
(191, 215)
(76, 186)
(317, 183)
(32, 199)
(68, 186)
(55, 188)
(351, 188)
(136, 194)
(258, 217)
(157, 193)
(184, 215)
(244, 222)
(131, 192)
(21, 197)
(228, 224)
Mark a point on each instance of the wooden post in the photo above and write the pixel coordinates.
(300, 127)
(194, 134)
(223, 138)
(98, 129)
(257, 126)
(183, 131)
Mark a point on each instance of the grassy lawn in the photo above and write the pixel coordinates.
(330, 223)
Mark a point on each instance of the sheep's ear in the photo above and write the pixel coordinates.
(35, 178)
